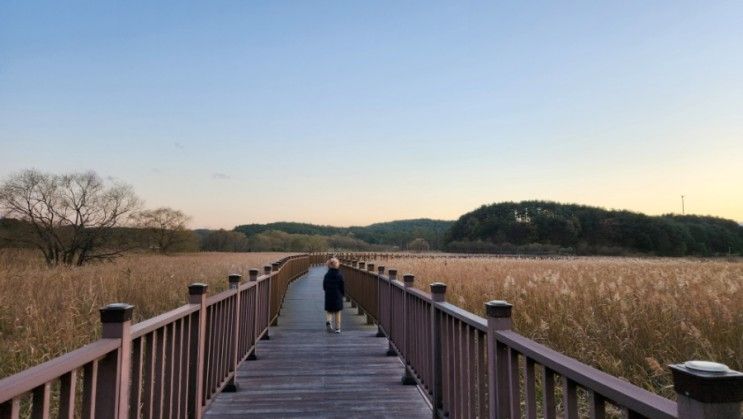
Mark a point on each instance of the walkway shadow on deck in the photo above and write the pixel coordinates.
(303, 371)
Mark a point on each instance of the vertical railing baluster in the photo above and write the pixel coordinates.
(11, 409)
(276, 285)
(472, 371)
(448, 388)
(253, 276)
(168, 370)
(67, 393)
(209, 352)
(596, 406)
(135, 392)
(41, 400)
(569, 398)
(267, 285)
(458, 373)
(234, 284)
(162, 347)
(379, 291)
(514, 384)
(90, 382)
(392, 276)
(482, 377)
(548, 393)
(186, 382)
(178, 369)
(148, 374)
(407, 378)
(365, 294)
(530, 390)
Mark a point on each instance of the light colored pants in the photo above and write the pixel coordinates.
(333, 318)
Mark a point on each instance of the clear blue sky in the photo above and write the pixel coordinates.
(352, 112)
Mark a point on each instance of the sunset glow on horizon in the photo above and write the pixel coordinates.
(353, 113)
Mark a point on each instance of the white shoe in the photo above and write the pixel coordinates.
(337, 330)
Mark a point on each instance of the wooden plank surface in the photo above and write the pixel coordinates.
(303, 371)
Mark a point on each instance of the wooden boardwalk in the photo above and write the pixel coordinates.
(303, 371)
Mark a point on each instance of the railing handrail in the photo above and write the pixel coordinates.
(620, 391)
(249, 284)
(479, 323)
(40, 374)
(147, 326)
(221, 296)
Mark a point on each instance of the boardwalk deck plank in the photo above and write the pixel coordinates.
(303, 371)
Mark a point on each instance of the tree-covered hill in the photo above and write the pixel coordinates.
(582, 229)
(393, 233)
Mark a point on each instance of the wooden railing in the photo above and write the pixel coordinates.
(169, 366)
(474, 367)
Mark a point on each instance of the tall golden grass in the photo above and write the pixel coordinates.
(628, 317)
(45, 312)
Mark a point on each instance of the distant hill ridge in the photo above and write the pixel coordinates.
(393, 233)
(541, 227)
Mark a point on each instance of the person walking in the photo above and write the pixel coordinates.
(332, 284)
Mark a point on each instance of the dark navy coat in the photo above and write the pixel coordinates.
(332, 284)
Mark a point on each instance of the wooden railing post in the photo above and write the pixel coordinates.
(275, 268)
(234, 284)
(392, 275)
(438, 295)
(197, 295)
(354, 264)
(407, 378)
(267, 271)
(114, 370)
(706, 390)
(499, 318)
(380, 272)
(361, 266)
(369, 321)
(253, 275)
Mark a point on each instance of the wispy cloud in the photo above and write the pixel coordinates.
(178, 145)
(220, 176)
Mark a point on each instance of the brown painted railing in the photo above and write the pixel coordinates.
(169, 366)
(474, 367)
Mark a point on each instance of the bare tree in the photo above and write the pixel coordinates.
(166, 228)
(72, 218)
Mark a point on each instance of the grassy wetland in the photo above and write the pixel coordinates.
(629, 317)
(45, 312)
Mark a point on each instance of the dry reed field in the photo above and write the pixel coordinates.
(626, 316)
(45, 312)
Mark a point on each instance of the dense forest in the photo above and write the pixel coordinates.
(550, 227)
